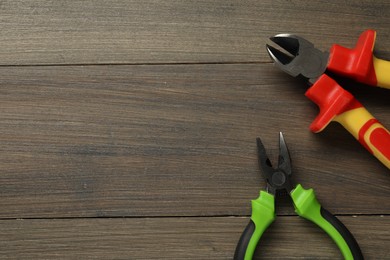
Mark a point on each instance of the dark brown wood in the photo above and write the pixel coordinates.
(128, 128)
(138, 31)
(181, 238)
(168, 141)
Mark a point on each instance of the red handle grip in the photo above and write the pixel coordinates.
(356, 63)
(337, 104)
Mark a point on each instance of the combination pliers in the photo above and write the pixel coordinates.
(306, 205)
(336, 104)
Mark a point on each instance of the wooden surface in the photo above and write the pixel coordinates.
(128, 129)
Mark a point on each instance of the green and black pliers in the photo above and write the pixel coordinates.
(305, 203)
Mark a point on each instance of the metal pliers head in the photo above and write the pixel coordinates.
(302, 60)
(278, 179)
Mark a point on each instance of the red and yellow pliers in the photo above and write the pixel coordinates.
(335, 103)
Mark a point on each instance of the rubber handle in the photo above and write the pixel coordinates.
(244, 241)
(368, 131)
(308, 207)
(382, 72)
(337, 104)
(263, 214)
(359, 63)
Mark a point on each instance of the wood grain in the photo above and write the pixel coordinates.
(169, 141)
(127, 129)
(175, 31)
(181, 238)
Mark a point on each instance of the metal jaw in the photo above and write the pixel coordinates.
(306, 61)
(278, 179)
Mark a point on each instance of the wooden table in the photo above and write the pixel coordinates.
(128, 129)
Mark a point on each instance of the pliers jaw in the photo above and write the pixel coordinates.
(304, 60)
(278, 179)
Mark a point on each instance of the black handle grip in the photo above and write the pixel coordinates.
(344, 232)
(242, 245)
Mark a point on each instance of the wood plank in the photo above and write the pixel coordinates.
(138, 31)
(181, 238)
(169, 141)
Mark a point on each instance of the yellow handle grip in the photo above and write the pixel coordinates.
(382, 72)
(369, 131)
(337, 104)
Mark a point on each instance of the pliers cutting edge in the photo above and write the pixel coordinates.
(305, 203)
(335, 103)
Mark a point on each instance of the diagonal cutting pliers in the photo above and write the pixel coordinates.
(306, 205)
(336, 104)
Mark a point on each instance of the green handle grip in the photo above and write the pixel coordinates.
(307, 206)
(263, 214)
